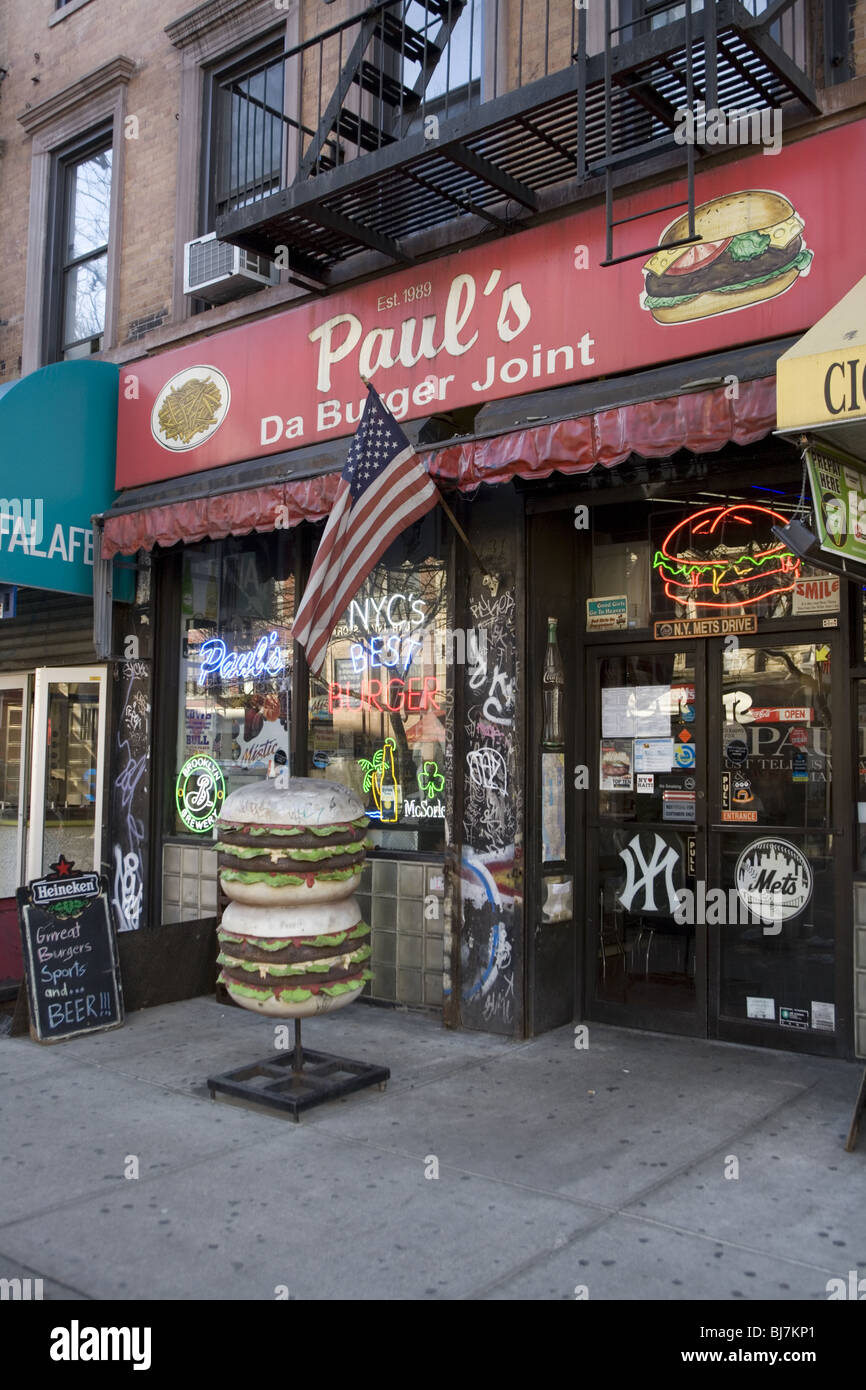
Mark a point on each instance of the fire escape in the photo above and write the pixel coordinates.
(415, 125)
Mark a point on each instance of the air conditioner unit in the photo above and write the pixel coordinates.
(217, 271)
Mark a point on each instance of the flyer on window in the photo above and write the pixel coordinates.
(616, 764)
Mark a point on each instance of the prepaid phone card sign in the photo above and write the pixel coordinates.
(70, 954)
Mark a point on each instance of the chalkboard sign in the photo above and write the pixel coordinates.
(70, 954)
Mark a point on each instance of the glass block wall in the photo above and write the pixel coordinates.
(189, 882)
(404, 904)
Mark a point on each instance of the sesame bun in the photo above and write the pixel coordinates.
(294, 962)
(313, 919)
(299, 843)
(299, 801)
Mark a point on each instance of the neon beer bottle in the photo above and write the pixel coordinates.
(389, 796)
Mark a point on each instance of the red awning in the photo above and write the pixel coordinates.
(702, 422)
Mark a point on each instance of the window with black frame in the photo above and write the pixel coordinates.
(377, 710)
(244, 132)
(76, 302)
(237, 607)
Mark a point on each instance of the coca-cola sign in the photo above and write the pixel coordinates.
(516, 315)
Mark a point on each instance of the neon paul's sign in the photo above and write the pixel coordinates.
(265, 659)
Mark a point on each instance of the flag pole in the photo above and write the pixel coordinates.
(445, 507)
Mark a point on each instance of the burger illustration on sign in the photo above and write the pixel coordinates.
(751, 249)
(190, 408)
(726, 557)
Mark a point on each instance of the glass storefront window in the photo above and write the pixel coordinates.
(377, 710)
(713, 556)
(237, 606)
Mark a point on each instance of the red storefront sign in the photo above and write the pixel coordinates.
(512, 316)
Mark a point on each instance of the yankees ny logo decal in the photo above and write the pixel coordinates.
(664, 857)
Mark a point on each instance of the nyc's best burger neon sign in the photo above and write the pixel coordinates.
(739, 580)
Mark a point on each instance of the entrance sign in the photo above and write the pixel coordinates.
(838, 483)
(70, 954)
(485, 325)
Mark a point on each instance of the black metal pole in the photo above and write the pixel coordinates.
(298, 1064)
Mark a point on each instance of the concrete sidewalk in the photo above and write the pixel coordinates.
(557, 1167)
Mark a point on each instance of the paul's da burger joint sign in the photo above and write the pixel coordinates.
(511, 316)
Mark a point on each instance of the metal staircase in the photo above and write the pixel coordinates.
(385, 42)
(537, 120)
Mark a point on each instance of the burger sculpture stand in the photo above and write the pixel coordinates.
(292, 942)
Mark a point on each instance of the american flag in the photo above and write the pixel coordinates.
(383, 489)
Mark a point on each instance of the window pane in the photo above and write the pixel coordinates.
(377, 712)
(89, 201)
(249, 128)
(237, 608)
(84, 300)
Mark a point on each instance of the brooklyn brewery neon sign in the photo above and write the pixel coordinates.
(265, 659)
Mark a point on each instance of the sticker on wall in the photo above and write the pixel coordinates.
(823, 1017)
(816, 596)
(615, 765)
(558, 902)
(653, 754)
(607, 614)
(552, 807)
(199, 793)
(737, 751)
(684, 755)
(794, 1018)
(760, 1008)
(190, 408)
(678, 806)
(774, 879)
(799, 768)
(646, 782)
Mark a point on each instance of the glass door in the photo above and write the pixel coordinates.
(777, 849)
(646, 847)
(69, 736)
(14, 745)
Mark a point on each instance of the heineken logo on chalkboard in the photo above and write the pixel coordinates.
(200, 793)
(64, 892)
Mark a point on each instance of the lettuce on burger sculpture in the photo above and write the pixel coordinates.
(292, 942)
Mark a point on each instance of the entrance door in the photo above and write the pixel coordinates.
(647, 836)
(14, 745)
(714, 862)
(69, 725)
(779, 848)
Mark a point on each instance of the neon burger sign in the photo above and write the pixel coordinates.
(720, 558)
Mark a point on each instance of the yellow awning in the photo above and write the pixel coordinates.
(821, 380)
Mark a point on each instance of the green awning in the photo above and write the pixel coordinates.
(58, 433)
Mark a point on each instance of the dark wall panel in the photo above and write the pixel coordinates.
(48, 630)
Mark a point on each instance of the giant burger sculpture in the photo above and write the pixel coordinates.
(292, 942)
